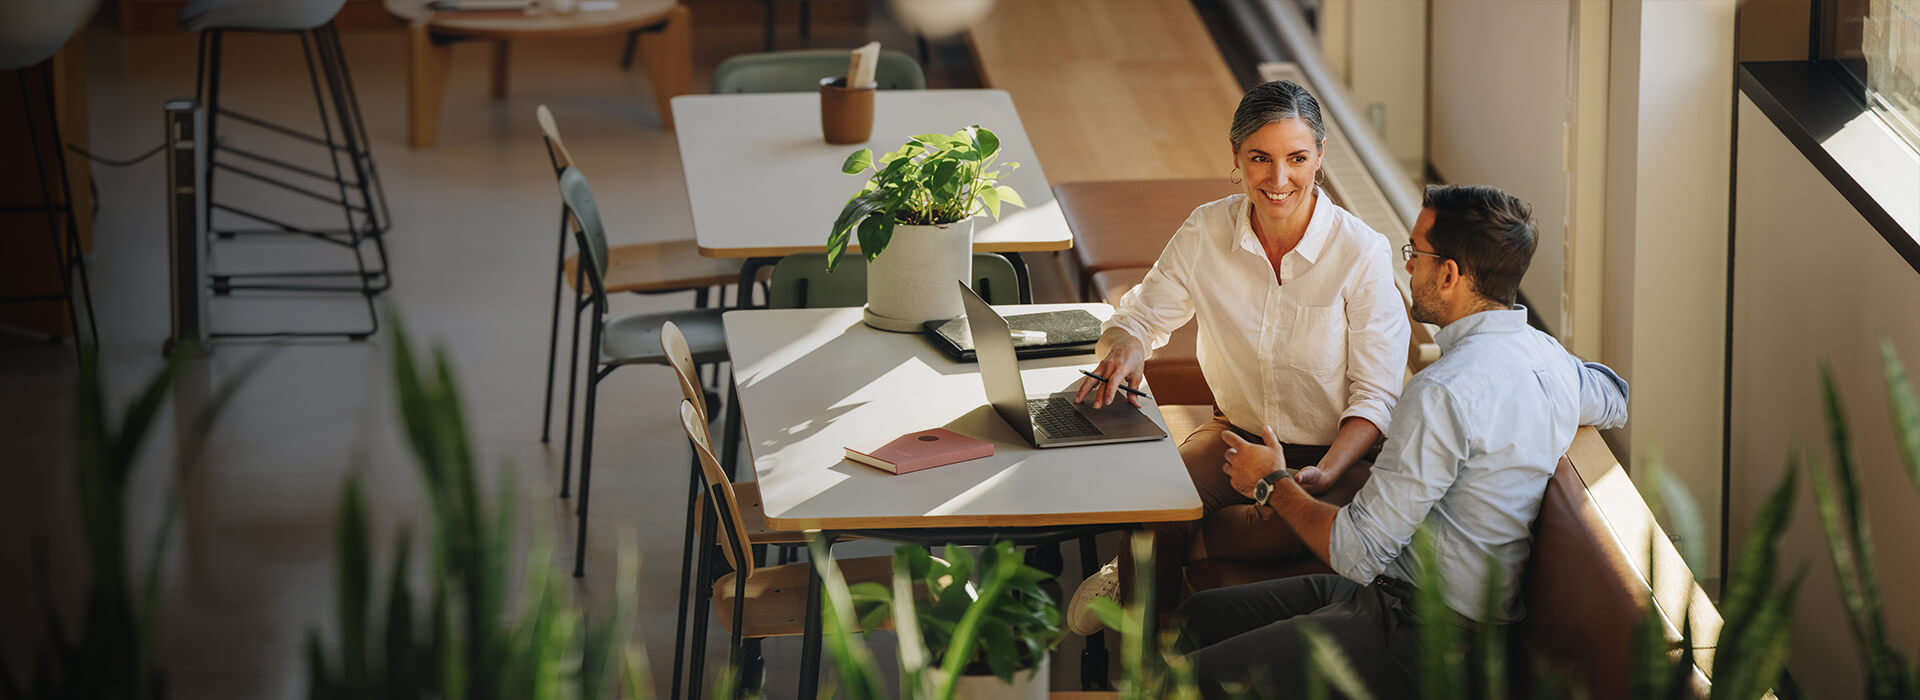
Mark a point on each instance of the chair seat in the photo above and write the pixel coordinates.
(1174, 369)
(776, 604)
(635, 339)
(754, 514)
(258, 15)
(661, 267)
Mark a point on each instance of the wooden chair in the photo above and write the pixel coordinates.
(642, 268)
(754, 518)
(615, 341)
(760, 601)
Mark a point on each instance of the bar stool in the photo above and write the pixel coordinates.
(33, 33)
(355, 184)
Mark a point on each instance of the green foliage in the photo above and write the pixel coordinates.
(113, 654)
(469, 645)
(1844, 519)
(935, 179)
(1003, 624)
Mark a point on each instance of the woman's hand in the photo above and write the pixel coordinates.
(1249, 462)
(1316, 480)
(1123, 361)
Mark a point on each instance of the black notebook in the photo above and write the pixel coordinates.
(1069, 332)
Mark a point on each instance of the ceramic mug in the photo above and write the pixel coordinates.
(846, 114)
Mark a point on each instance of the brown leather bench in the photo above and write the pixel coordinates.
(1126, 224)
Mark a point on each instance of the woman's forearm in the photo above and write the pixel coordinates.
(1357, 436)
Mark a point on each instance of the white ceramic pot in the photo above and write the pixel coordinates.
(1030, 684)
(911, 282)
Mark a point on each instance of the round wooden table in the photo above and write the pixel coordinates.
(665, 31)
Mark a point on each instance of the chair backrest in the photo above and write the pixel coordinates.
(589, 236)
(673, 344)
(556, 149)
(801, 71)
(719, 490)
(801, 281)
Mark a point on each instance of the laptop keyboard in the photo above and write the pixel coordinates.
(1058, 418)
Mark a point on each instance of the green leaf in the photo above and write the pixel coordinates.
(856, 210)
(875, 233)
(1905, 410)
(990, 196)
(857, 161)
(1326, 655)
(402, 679)
(1009, 196)
(352, 580)
(984, 140)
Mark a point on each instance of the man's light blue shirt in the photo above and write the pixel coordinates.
(1475, 436)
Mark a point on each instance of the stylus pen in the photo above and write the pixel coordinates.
(1123, 387)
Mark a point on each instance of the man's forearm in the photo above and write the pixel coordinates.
(1310, 517)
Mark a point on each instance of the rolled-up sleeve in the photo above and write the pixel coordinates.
(1377, 334)
(1415, 469)
(1162, 302)
(1603, 395)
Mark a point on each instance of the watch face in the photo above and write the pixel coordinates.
(1261, 489)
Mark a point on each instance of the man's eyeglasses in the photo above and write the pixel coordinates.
(1407, 252)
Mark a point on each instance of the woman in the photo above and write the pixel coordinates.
(1302, 338)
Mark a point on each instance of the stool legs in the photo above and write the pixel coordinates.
(64, 239)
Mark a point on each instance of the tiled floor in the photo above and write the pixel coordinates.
(249, 570)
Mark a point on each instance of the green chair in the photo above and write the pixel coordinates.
(617, 342)
(801, 281)
(801, 71)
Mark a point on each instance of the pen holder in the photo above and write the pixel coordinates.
(846, 114)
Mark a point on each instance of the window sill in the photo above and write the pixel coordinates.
(1828, 120)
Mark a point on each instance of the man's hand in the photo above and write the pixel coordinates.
(1123, 361)
(1249, 462)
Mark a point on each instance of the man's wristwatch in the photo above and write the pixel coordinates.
(1263, 488)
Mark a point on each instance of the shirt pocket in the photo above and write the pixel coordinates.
(1317, 344)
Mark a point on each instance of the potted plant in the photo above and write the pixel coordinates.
(985, 638)
(918, 206)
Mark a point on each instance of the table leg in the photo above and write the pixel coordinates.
(668, 52)
(500, 69)
(426, 86)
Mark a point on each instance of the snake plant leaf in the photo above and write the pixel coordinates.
(352, 581)
(1439, 666)
(857, 161)
(1331, 660)
(853, 659)
(402, 679)
(1851, 594)
(1905, 410)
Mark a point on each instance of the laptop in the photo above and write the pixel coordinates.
(1046, 420)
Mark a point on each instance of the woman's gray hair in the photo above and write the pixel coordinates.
(1279, 100)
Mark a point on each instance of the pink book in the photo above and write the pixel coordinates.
(913, 452)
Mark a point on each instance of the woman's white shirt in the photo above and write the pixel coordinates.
(1328, 342)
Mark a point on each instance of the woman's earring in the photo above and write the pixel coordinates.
(1320, 177)
(1234, 177)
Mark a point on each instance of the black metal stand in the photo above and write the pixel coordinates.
(65, 236)
(355, 185)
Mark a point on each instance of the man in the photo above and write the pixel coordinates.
(1473, 440)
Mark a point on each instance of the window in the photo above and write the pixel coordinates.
(1878, 43)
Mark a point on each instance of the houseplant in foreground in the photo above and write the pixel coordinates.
(984, 638)
(918, 206)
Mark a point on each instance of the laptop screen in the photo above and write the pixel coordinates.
(999, 367)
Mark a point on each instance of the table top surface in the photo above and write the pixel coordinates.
(763, 182)
(816, 381)
(625, 15)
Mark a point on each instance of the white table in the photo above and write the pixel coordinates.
(763, 182)
(814, 381)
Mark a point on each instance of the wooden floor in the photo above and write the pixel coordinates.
(1112, 89)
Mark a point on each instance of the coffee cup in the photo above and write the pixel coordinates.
(846, 113)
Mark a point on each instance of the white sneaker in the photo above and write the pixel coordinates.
(1104, 583)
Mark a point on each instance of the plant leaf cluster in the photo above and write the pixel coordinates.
(954, 613)
(466, 642)
(935, 179)
(113, 655)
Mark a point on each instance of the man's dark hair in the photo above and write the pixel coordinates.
(1488, 233)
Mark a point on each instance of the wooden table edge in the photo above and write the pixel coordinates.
(926, 522)
(783, 251)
